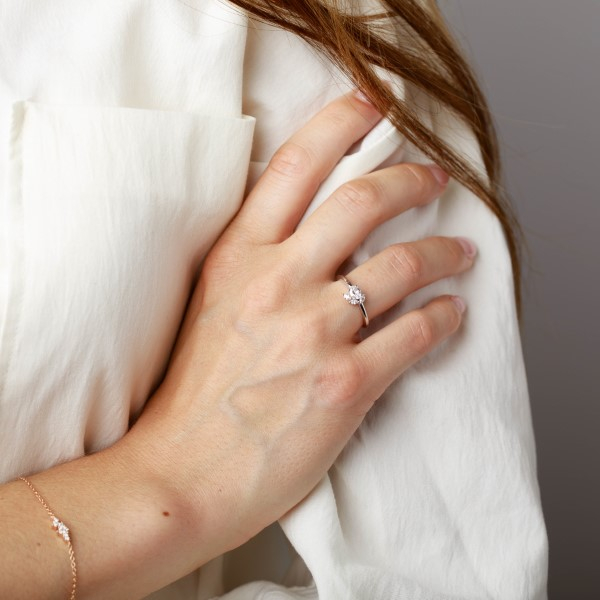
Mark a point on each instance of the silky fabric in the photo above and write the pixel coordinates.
(131, 130)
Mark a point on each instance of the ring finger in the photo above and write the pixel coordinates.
(400, 269)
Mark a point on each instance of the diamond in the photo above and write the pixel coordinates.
(61, 528)
(354, 295)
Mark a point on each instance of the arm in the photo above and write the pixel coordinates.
(114, 505)
(216, 448)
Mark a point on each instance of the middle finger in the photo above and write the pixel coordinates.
(332, 233)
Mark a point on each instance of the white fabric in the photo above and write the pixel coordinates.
(128, 129)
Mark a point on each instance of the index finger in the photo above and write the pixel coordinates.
(280, 197)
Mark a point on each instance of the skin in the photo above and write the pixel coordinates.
(267, 382)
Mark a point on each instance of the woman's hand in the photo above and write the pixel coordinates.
(269, 379)
(267, 382)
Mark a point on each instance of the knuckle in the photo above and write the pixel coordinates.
(423, 180)
(336, 116)
(222, 262)
(453, 250)
(422, 333)
(360, 197)
(405, 260)
(340, 382)
(261, 297)
(291, 160)
(417, 173)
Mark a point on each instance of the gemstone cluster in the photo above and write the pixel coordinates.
(354, 295)
(61, 528)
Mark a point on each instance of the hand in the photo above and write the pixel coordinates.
(269, 380)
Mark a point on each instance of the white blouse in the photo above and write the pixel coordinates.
(130, 130)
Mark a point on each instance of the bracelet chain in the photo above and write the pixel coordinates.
(62, 530)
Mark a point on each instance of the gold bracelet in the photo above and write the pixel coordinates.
(62, 530)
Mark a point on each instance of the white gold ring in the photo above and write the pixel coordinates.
(355, 296)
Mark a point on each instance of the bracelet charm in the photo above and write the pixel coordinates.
(62, 530)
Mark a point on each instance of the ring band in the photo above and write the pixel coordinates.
(355, 296)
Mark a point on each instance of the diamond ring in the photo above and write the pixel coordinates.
(355, 297)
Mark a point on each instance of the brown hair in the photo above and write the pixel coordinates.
(407, 38)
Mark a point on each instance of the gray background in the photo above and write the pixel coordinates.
(538, 61)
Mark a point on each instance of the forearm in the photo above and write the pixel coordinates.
(131, 534)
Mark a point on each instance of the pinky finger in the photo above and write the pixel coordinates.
(396, 347)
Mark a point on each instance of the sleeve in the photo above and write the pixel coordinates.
(436, 495)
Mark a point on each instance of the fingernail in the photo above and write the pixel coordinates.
(439, 173)
(468, 247)
(459, 303)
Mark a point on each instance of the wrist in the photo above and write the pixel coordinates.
(126, 546)
(188, 490)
